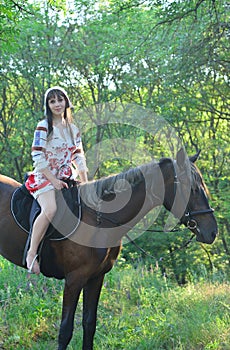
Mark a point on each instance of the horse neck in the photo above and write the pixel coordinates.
(147, 192)
(116, 204)
(175, 197)
(154, 187)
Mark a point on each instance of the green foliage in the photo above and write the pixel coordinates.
(12, 13)
(138, 309)
(169, 57)
(20, 292)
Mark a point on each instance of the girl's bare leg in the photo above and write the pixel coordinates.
(48, 208)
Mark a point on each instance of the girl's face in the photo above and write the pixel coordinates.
(57, 105)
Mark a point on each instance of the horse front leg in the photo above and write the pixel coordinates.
(91, 294)
(71, 295)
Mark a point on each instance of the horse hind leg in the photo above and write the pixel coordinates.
(91, 295)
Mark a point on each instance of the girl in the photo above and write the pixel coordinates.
(56, 146)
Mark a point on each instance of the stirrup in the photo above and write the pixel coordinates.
(30, 269)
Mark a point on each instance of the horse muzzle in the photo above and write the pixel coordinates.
(203, 234)
(206, 237)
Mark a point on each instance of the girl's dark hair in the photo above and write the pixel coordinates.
(52, 94)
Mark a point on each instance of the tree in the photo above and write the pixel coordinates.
(168, 58)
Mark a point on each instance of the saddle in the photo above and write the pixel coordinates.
(25, 209)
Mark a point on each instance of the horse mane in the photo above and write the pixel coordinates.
(106, 187)
(134, 176)
(197, 179)
(196, 176)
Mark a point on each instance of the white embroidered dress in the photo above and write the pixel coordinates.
(54, 152)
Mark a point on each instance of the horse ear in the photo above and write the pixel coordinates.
(181, 158)
(194, 158)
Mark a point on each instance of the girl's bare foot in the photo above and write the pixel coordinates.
(32, 263)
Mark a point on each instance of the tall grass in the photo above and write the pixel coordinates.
(138, 310)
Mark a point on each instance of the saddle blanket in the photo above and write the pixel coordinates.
(25, 209)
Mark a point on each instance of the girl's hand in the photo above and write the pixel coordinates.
(59, 184)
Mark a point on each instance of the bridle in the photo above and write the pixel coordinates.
(190, 222)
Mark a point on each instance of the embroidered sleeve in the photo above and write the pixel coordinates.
(39, 147)
(78, 156)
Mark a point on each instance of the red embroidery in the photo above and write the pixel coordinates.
(36, 148)
(42, 128)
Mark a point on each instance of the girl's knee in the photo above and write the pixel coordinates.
(50, 211)
(48, 204)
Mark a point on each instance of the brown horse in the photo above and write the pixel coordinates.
(110, 208)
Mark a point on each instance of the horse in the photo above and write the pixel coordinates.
(83, 259)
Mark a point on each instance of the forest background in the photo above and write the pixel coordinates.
(127, 66)
(170, 58)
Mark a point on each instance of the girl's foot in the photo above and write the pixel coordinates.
(32, 263)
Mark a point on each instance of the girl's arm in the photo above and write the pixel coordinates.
(78, 157)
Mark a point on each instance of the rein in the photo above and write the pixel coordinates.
(161, 258)
(100, 216)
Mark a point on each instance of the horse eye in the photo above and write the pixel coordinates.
(195, 190)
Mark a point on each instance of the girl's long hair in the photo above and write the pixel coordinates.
(67, 113)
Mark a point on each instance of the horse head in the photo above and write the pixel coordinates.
(186, 196)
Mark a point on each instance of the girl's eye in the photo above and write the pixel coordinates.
(53, 101)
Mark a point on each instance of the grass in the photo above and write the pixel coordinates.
(138, 310)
